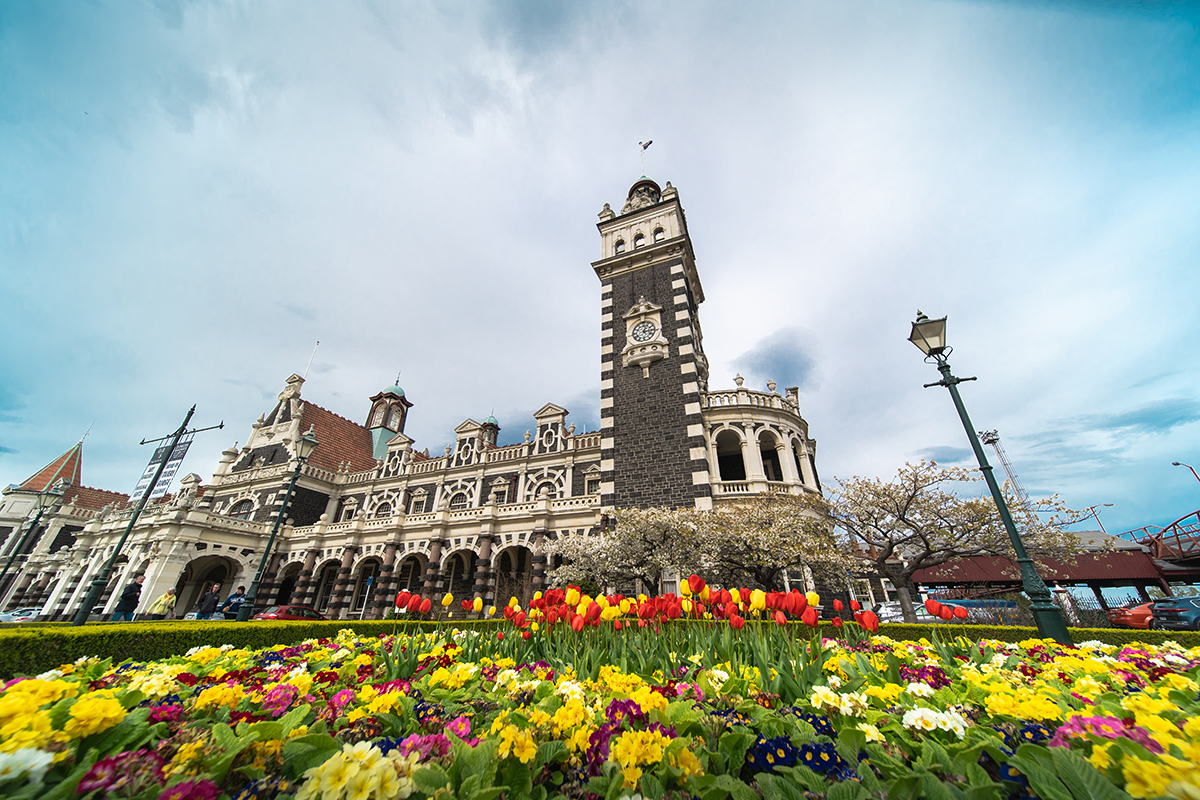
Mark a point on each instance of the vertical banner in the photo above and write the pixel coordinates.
(168, 472)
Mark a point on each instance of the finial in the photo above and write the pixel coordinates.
(739, 380)
(771, 386)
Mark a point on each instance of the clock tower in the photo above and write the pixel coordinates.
(652, 364)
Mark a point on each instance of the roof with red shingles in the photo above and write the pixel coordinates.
(339, 439)
(96, 499)
(68, 467)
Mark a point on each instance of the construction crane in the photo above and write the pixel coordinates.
(993, 438)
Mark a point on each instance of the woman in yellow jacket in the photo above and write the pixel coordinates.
(163, 606)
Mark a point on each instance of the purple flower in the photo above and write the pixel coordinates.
(619, 710)
(432, 745)
(280, 698)
(166, 713)
(1105, 727)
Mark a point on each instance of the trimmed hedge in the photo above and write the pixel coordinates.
(32, 650)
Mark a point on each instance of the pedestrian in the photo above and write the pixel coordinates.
(207, 607)
(129, 600)
(163, 606)
(230, 609)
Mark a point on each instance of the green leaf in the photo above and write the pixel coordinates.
(1042, 779)
(847, 790)
(551, 752)
(905, 788)
(431, 778)
(774, 787)
(305, 752)
(936, 790)
(733, 747)
(651, 786)
(850, 743)
(1082, 778)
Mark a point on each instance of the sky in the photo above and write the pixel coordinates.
(193, 193)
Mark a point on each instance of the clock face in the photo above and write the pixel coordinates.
(643, 331)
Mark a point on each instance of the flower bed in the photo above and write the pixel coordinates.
(658, 709)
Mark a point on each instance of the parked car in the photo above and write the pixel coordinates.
(20, 615)
(1137, 615)
(891, 612)
(303, 613)
(1176, 614)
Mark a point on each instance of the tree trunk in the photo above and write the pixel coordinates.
(910, 613)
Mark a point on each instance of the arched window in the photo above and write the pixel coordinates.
(549, 488)
(620, 246)
(768, 448)
(659, 234)
(241, 509)
(377, 416)
(459, 500)
(383, 510)
(729, 456)
(393, 421)
(638, 241)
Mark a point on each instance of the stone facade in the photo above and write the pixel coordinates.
(372, 515)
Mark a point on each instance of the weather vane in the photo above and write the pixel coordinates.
(644, 145)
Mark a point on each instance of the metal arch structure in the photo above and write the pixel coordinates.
(1177, 542)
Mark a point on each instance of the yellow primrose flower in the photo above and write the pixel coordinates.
(93, 713)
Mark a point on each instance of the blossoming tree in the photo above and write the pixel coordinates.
(923, 518)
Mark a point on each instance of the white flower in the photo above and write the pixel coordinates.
(225, 648)
(953, 722)
(852, 703)
(50, 675)
(919, 689)
(823, 697)
(26, 761)
(873, 734)
(920, 719)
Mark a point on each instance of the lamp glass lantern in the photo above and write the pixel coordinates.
(49, 497)
(929, 334)
(305, 445)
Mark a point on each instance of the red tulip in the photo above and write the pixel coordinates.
(809, 617)
(426, 604)
(870, 620)
(696, 584)
(799, 602)
(674, 611)
(737, 622)
(730, 610)
(466, 604)
(414, 604)
(616, 624)
(960, 612)
(837, 605)
(577, 623)
(402, 599)
(593, 611)
(500, 636)
(945, 613)
(780, 619)
(858, 617)
(519, 619)
(525, 635)
(855, 606)
(837, 622)
(933, 607)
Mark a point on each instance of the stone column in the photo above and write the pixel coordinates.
(385, 588)
(787, 462)
(305, 583)
(38, 595)
(752, 458)
(806, 470)
(485, 584)
(23, 586)
(342, 587)
(538, 561)
(68, 592)
(267, 586)
(433, 569)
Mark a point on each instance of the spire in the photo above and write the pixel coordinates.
(68, 467)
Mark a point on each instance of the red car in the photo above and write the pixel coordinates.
(301, 613)
(1138, 616)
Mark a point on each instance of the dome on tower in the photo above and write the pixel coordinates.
(491, 421)
(394, 389)
(643, 193)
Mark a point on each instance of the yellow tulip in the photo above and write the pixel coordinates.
(625, 605)
(537, 595)
(684, 589)
(491, 611)
(813, 598)
(512, 602)
(686, 605)
(758, 600)
(736, 596)
(477, 606)
(572, 597)
(705, 593)
(533, 626)
(448, 599)
(602, 601)
(642, 598)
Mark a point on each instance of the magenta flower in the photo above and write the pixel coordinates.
(460, 727)
(1105, 727)
(191, 790)
(280, 698)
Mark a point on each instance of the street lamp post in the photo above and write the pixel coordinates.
(47, 499)
(1092, 510)
(930, 337)
(1189, 466)
(304, 450)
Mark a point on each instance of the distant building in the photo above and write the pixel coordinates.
(372, 514)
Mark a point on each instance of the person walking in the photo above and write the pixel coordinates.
(129, 600)
(230, 609)
(208, 603)
(163, 606)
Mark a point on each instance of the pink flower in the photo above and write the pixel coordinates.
(460, 727)
(191, 790)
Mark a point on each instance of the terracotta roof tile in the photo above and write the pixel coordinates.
(95, 499)
(68, 466)
(340, 439)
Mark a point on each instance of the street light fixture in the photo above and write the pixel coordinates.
(929, 335)
(1093, 512)
(305, 447)
(47, 499)
(1180, 464)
